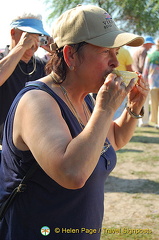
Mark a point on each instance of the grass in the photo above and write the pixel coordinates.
(132, 189)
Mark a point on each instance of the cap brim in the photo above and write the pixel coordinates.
(33, 30)
(117, 39)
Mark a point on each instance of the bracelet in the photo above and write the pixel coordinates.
(133, 115)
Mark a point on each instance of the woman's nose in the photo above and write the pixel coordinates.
(114, 61)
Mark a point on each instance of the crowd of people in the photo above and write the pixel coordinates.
(151, 75)
(28, 67)
(139, 57)
(48, 117)
(139, 61)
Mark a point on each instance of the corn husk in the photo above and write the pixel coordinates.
(126, 76)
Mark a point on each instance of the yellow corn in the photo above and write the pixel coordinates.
(126, 76)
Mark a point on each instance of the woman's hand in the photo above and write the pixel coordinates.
(123, 127)
(113, 92)
(47, 47)
(137, 96)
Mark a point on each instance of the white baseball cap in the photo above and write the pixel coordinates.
(91, 24)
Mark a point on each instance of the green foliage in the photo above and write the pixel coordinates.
(138, 16)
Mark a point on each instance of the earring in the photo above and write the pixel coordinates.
(71, 68)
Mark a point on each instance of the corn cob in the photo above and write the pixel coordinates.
(126, 76)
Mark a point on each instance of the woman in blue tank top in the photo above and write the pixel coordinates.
(54, 122)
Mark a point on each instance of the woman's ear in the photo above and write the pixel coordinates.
(69, 56)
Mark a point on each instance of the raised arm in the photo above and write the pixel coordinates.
(9, 63)
(123, 128)
(40, 127)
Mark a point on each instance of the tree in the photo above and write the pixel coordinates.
(141, 16)
(137, 16)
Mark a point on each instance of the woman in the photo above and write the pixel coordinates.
(73, 143)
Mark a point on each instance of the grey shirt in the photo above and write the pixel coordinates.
(139, 59)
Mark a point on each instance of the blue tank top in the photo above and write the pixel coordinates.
(46, 208)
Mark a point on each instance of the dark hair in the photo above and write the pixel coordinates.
(57, 65)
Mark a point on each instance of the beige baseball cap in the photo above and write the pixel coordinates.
(91, 24)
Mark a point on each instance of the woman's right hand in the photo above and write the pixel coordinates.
(112, 92)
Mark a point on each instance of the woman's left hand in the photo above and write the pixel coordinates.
(137, 96)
